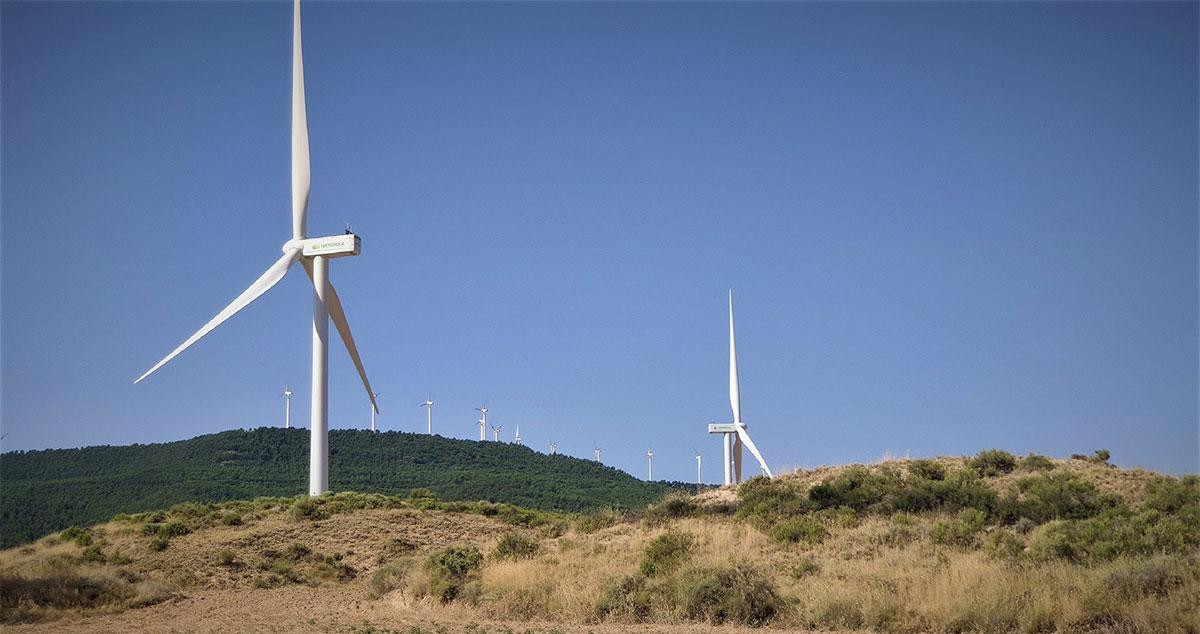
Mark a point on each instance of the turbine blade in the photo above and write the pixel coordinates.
(260, 286)
(735, 400)
(741, 432)
(338, 316)
(301, 170)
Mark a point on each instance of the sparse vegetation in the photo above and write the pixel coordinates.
(1078, 547)
(993, 462)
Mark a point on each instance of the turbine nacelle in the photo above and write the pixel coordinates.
(341, 246)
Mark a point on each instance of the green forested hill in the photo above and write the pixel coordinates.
(44, 491)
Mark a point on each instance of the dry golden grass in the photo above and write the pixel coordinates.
(871, 573)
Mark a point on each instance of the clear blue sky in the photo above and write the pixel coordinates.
(948, 226)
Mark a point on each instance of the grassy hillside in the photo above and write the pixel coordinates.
(44, 491)
(991, 543)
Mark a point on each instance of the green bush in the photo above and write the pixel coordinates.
(1036, 462)
(389, 577)
(629, 597)
(733, 594)
(666, 552)
(92, 555)
(962, 489)
(992, 462)
(515, 546)
(804, 568)
(81, 536)
(1170, 495)
(1117, 532)
(963, 531)
(765, 502)
(808, 529)
(225, 557)
(449, 570)
(673, 506)
(1155, 577)
(309, 509)
(927, 469)
(1061, 496)
(1100, 456)
(159, 543)
(1003, 544)
(858, 488)
(597, 520)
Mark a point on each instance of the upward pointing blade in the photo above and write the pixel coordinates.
(301, 170)
(735, 401)
(260, 286)
(338, 315)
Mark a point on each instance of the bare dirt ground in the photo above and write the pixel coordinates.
(321, 609)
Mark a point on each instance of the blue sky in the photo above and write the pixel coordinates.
(948, 226)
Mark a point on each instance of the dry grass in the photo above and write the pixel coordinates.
(882, 573)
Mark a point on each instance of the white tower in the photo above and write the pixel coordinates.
(428, 404)
(553, 447)
(650, 465)
(373, 412)
(482, 421)
(496, 432)
(697, 468)
(287, 408)
(517, 438)
(596, 450)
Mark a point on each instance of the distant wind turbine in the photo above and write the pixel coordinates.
(428, 404)
(496, 432)
(697, 467)
(287, 407)
(553, 447)
(596, 450)
(314, 255)
(482, 420)
(650, 465)
(517, 438)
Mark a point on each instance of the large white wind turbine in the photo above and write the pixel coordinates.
(314, 255)
(374, 412)
(428, 404)
(596, 451)
(517, 438)
(734, 435)
(650, 465)
(697, 467)
(496, 432)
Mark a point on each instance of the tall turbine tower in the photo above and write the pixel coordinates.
(553, 448)
(734, 435)
(517, 438)
(482, 421)
(650, 465)
(287, 407)
(314, 255)
(496, 432)
(596, 450)
(697, 469)
(373, 412)
(428, 404)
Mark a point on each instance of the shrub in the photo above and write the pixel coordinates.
(961, 489)
(807, 529)
(397, 547)
(1156, 577)
(672, 507)
(992, 462)
(960, 532)
(735, 594)
(515, 546)
(226, 558)
(804, 568)
(449, 570)
(1036, 462)
(927, 469)
(20, 596)
(858, 488)
(1004, 544)
(160, 543)
(92, 555)
(1100, 456)
(666, 552)
(297, 551)
(765, 501)
(1116, 532)
(1170, 495)
(841, 613)
(389, 577)
(1061, 496)
(629, 597)
(81, 536)
(309, 509)
(597, 520)
(231, 519)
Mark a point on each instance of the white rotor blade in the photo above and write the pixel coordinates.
(338, 316)
(301, 170)
(741, 432)
(735, 401)
(260, 286)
